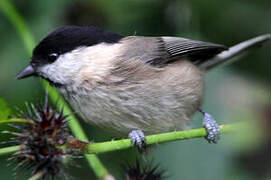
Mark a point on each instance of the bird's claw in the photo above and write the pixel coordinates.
(212, 128)
(138, 139)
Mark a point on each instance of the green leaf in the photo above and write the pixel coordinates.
(4, 110)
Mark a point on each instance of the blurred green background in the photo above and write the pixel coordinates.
(234, 93)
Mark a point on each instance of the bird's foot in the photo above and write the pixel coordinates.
(138, 139)
(212, 128)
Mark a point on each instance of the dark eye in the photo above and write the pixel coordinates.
(52, 57)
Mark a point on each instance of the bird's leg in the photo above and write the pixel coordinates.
(212, 128)
(138, 139)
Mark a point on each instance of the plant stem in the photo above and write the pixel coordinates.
(16, 120)
(9, 10)
(9, 150)
(96, 148)
(77, 130)
(36, 176)
(155, 139)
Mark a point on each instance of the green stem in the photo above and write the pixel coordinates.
(36, 176)
(156, 139)
(103, 147)
(16, 120)
(9, 10)
(9, 150)
(77, 130)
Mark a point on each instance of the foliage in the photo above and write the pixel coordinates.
(4, 110)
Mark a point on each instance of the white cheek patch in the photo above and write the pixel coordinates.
(62, 70)
(84, 63)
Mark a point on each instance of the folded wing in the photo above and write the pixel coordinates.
(196, 51)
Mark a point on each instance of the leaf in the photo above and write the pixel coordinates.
(4, 110)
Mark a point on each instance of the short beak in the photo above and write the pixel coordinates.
(28, 71)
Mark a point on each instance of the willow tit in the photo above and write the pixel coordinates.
(131, 85)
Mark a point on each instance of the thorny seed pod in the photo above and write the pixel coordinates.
(40, 141)
(148, 172)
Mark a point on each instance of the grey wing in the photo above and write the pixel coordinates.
(160, 51)
(195, 51)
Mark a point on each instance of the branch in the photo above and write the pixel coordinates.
(103, 147)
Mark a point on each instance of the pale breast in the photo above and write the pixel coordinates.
(151, 99)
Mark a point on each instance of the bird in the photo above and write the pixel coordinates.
(132, 85)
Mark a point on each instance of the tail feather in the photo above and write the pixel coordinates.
(229, 56)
